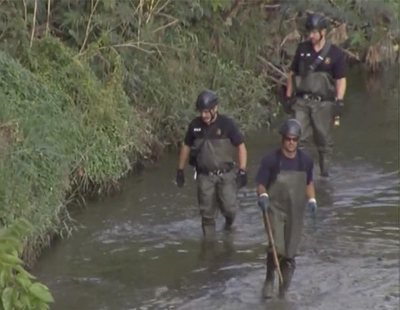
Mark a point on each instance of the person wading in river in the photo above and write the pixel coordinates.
(284, 188)
(316, 87)
(211, 144)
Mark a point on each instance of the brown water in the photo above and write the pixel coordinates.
(142, 249)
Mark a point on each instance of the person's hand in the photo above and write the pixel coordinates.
(263, 202)
(180, 178)
(312, 205)
(241, 178)
(338, 106)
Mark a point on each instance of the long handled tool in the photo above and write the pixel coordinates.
(267, 225)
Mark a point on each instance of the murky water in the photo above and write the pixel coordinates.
(143, 248)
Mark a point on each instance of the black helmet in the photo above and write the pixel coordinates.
(291, 127)
(206, 100)
(316, 22)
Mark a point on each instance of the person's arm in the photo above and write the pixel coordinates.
(242, 156)
(263, 176)
(185, 148)
(183, 156)
(340, 85)
(310, 191)
(339, 75)
(294, 67)
(261, 190)
(289, 84)
(237, 139)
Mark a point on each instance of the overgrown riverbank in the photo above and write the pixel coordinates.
(93, 87)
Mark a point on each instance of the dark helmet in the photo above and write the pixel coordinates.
(316, 22)
(206, 100)
(291, 127)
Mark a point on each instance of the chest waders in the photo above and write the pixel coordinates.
(216, 182)
(314, 110)
(288, 202)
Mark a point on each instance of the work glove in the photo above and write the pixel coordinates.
(263, 202)
(180, 177)
(312, 205)
(241, 178)
(338, 106)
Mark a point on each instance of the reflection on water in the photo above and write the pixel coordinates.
(143, 248)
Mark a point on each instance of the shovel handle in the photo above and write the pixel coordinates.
(267, 225)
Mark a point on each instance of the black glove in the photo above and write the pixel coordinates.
(180, 178)
(263, 202)
(338, 107)
(241, 178)
(288, 103)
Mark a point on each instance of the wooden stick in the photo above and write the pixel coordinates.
(271, 65)
(267, 225)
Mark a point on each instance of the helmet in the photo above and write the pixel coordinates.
(316, 22)
(291, 127)
(206, 100)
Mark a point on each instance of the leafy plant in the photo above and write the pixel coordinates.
(18, 289)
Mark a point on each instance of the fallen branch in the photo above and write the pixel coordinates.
(350, 54)
(273, 79)
(166, 25)
(271, 65)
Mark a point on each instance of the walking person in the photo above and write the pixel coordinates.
(316, 87)
(213, 144)
(284, 188)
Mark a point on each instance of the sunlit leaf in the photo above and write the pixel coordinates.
(6, 298)
(41, 292)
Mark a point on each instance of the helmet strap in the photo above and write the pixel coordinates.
(213, 115)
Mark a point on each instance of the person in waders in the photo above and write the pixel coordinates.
(315, 89)
(211, 144)
(285, 189)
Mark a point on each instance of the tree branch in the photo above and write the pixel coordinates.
(33, 23)
(48, 17)
(93, 8)
(228, 14)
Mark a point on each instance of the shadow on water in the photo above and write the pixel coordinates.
(143, 248)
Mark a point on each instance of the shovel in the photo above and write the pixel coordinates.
(267, 225)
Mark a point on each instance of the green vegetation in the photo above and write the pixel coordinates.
(18, 291)
(92, 87)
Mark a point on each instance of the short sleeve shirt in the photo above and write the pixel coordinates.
(334, 63)
(222, 127)
(275, 161)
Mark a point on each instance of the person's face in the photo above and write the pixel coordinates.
(290, 143)
(207, 115)
(315, 36)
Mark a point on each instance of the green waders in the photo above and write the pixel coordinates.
(314, 111)
(287, 209)
(216, 191)
(315, 118)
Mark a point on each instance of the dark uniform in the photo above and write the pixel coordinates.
(315, 95)
(275, 161)
(213, 148)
